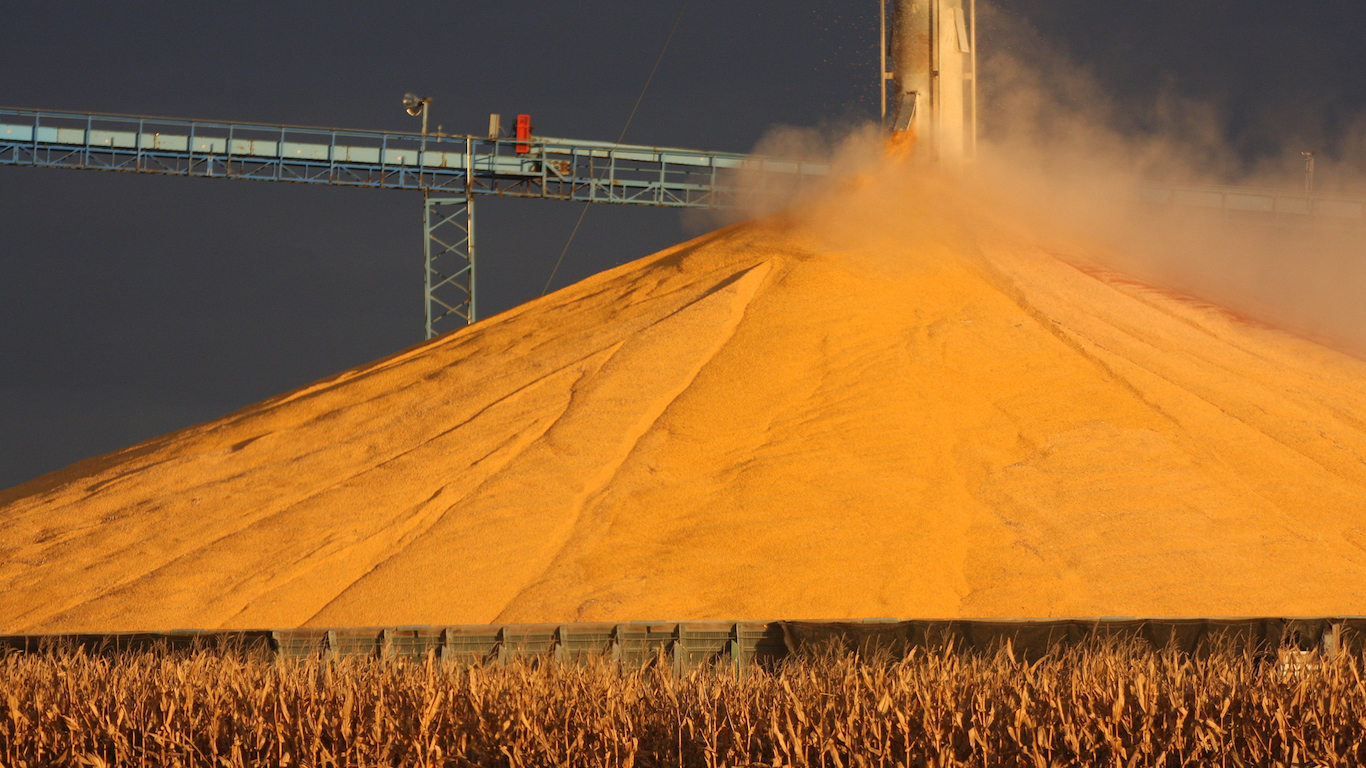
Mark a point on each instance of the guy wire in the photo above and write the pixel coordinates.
(629, 118)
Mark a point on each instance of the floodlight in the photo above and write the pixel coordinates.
(417, 105)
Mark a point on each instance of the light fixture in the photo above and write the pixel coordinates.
(414, 103)
(417, 105)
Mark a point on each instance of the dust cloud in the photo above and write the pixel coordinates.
(1074, 170)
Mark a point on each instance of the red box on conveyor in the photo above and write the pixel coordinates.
(523, 133)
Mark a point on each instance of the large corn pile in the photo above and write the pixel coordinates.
(1093, 705)
(885, 409)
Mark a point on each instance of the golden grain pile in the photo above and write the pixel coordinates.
(832, 420)
(1090, 705)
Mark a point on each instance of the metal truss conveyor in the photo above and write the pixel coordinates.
(449, 170)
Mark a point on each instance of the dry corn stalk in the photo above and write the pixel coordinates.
(1102, 704)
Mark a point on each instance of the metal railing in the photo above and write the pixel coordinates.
(1258, 202)
(564, 169)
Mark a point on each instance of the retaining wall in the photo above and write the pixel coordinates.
(687, 645)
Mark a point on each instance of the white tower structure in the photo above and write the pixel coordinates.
(932, 76)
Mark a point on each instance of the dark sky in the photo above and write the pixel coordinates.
(134, 305)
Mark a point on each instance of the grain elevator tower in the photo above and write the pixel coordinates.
(932, 76)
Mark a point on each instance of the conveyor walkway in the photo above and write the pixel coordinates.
(451, 169)
(448, 169)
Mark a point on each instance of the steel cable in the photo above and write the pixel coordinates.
(620, 138)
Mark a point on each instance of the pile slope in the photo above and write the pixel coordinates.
(769, 421)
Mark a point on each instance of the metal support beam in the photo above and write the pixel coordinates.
(449, 243)
(456, 167)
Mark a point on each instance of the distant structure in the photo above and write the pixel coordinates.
(932, 50)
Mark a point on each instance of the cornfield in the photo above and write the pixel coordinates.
(1097, 704)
